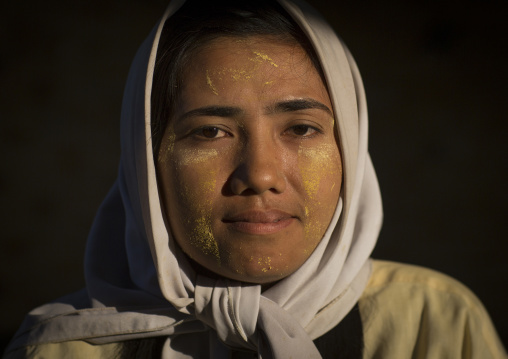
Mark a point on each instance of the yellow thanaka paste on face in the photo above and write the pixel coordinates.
(202, 236)
(235, 74)
(260, 57)
(311, 230)
(194, 156)
(240, 74)
(266, 261)
(314, 163)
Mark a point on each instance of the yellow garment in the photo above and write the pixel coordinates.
(407, 312)
(74, 349)
(414, 312)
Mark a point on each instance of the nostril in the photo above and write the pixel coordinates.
(253, 178)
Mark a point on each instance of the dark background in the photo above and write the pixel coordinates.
(436, 79)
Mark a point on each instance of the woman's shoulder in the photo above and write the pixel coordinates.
(388, 275)
(410, 311)
(71, 349)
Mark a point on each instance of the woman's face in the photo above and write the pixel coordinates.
(249, 169)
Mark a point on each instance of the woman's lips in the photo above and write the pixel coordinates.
(259, 222)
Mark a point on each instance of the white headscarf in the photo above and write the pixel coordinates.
(139, 282)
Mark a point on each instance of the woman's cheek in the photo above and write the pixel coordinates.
(320, 171)
(195, 186)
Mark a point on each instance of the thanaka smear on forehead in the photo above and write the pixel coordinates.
(237, 74)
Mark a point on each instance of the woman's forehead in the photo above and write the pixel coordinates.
(242, 70)
(259, 50)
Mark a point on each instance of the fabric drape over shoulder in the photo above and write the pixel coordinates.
(139, 283)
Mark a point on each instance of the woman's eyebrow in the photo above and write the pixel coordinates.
(216, 111)
(282, 106)
(297, 105)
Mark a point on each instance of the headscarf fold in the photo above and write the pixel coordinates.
(139, 284)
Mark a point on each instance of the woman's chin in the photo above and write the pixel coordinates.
(258, 268)
(245, 255)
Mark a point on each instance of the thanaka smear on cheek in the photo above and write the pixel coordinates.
(202, 238)
(193, 156)
(199, 221)
(315, 163)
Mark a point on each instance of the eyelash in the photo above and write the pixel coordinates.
(199, 132)
(315, 131)
(291, 131)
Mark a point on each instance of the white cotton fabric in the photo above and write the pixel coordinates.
(140, 284)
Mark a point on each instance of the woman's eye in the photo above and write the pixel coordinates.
(302, 130)
(210, 132)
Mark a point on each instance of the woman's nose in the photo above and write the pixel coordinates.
(259, 170)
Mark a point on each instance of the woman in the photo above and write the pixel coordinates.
(246, 209)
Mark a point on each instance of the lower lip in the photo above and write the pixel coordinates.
(261, 228)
